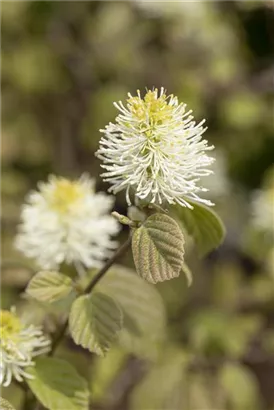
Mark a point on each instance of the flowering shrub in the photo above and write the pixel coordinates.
(157, 154)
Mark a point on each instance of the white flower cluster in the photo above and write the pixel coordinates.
(66, 221)
(155, 149)
(19, 344)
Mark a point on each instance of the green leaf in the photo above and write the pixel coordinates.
(240, 386)
(49, 286)
(143, 309)
(57, 385)
(208, 330)
(203, 224)
(5, 405)
(105, 370)
(158, 248)
(204, 392)
(188, 273)
(162, 386)
(95, 321)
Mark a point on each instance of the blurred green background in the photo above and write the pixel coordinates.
(63, 65)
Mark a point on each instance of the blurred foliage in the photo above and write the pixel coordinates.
(63, 64)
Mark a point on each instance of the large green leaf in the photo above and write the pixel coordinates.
(142, 305)
(95, 321)
(158, 248)
(162, 386)
(203, 224)
(49, 286)
(5, 405)
(240, 386)
(169, 385)
(57, 385)
(202, 391)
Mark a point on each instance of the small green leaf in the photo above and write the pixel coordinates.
(5, 405)
(95, 321)
(123, 219)
(57, 385)
(158, 248)
(49, 286)
(203, 224)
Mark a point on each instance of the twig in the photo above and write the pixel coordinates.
(123, 248)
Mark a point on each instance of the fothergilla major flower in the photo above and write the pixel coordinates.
(155, 151)
(67, 221)
(19, 344)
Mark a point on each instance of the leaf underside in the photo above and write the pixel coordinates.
(158, 248)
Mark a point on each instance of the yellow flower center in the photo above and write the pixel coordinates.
(64, 194)
(10, 326)
(153, 109)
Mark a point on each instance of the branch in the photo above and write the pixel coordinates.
(123, 248)
(120, 251)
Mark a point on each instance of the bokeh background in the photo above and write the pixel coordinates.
(63, 65)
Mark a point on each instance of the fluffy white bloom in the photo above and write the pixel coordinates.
(19, 344)
(66, 221)
(156, 150)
